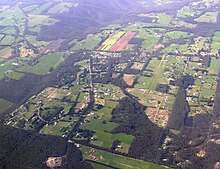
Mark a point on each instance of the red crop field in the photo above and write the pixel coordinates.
(100, 47)
(123, 42)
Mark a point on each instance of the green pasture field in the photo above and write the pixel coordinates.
(105, 139)
(4, 51)
(150, 36)
(35, 29)
(178, 23)
(176, 47)
(164, 19)
(114, 93)
(158, 67)
(143, 96)
(5, 67)
(87, 44)
(4, 105)
(9, 30)
(48, 109)
(209, 17)
(208, 93)
(210, 79)
(105, 112)
(7, 22)
(97, 124)
(7, 40)
(103, 133)
(148, 98)
(58, 130)
(173, 59)
(9, 19)
(36, 20)
(188, 11)
(29, 8)
(33, 40)
(15, 75)
(199, 44)
(7, 14)
(150, 39)
(41, 8)
(61, 7)
(163, 2)
(98, 166)
(174, 35)
(44, 65)
(143, 83)
(111, 26)
(216, 41)
(215, 66)
(116, 160)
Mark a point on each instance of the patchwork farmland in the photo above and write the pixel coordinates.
(111, 41)
(122, 85)
(123, 41)
(117, 42)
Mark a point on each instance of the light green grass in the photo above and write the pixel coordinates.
(56, 130)
(174, 35)
(7, 22)
(36, 20)
(103, 133)
(33, 40)
(216, 41)
(12, 16)
(208, 17)
(4, 105)
(15, 75)
(41, 8)
(150, 36)
(188, 11)
(61, 7)
(9, 30)
(99, 166)
(44, 65)
(34, 29)
(151, 82)
(88, 44)
(8, 40)
(164, 19)
(214, 66)
(96, 124)
(176, 48)
(117, 161)
(30, 8)
(5, 51)
(5, 67)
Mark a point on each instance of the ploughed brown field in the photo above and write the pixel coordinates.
(123, 42)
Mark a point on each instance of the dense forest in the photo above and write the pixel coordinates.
(22, 149)
(133, 120)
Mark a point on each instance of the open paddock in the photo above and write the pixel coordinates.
(116, 160)
(4, 105)
(209, 17)
(44, 64)
(6, 53)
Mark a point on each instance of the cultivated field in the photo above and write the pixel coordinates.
(107, 45)
(123, 42)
